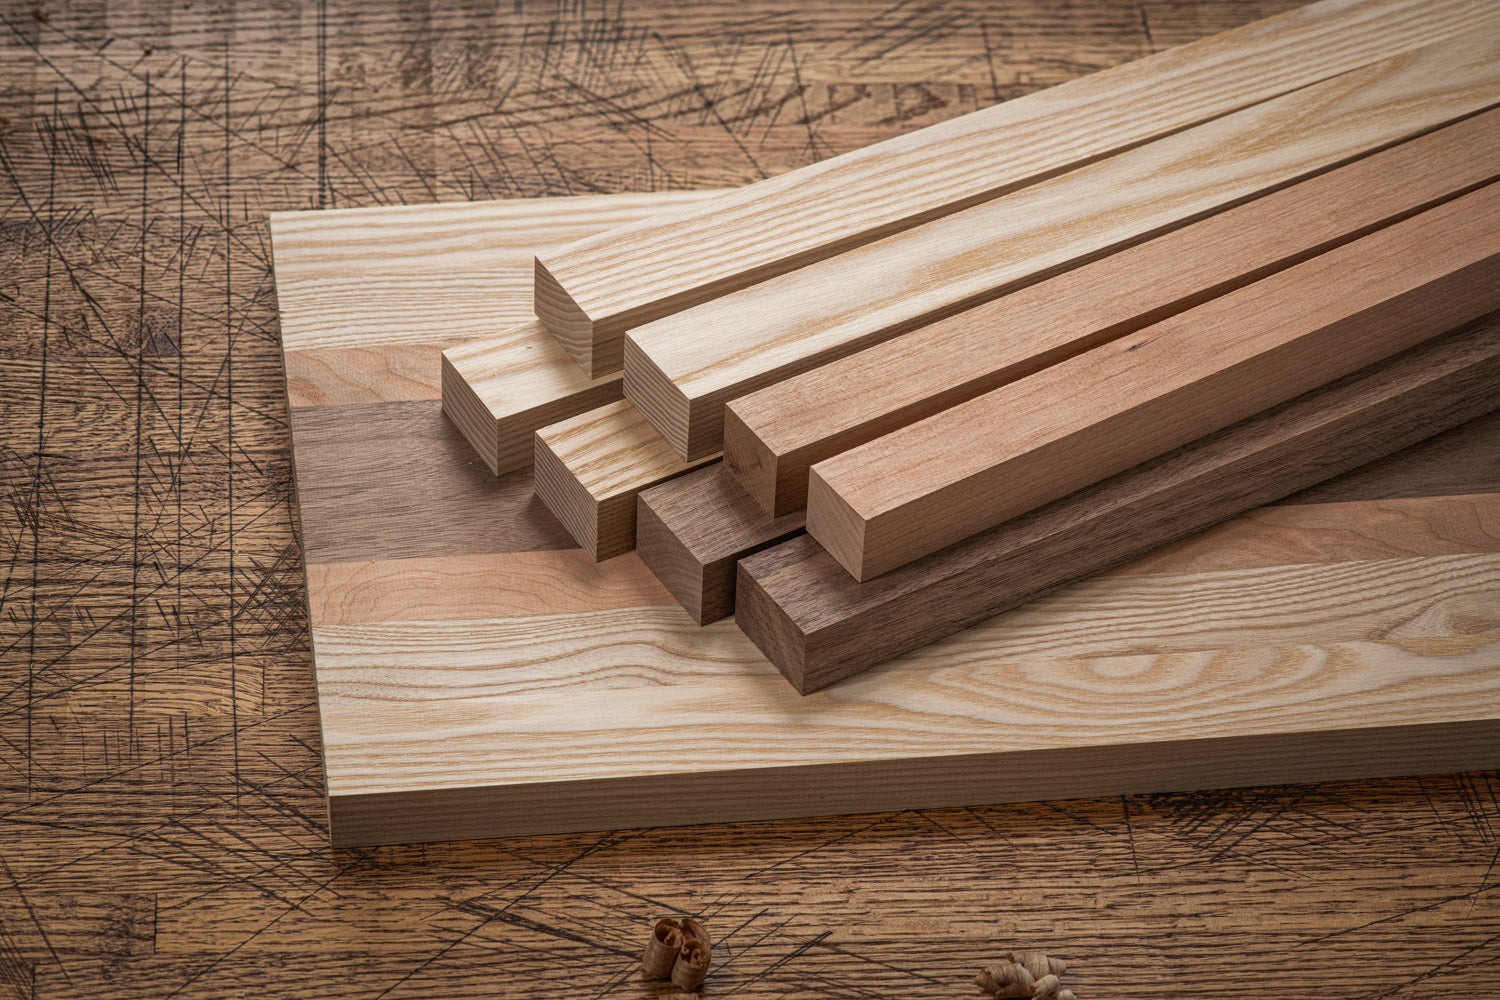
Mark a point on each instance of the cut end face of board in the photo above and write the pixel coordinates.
(693, 427)
(693, 530)
(757, 468)
(589, 469)
(838, 527)
(567, 321)
(500, 391)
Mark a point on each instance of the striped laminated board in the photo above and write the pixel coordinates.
(477, 675)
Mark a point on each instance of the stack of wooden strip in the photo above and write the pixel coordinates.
(952, 371)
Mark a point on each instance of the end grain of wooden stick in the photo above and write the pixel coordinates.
(682, 370)
(690, 532)
(591, 291)
(589, 469)
(817, 625)
(501, 391)
(935, 482)
(772, 437)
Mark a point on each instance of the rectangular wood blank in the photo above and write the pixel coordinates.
(692, 530)
(681, 371)
(590, 292)
(817, 625)
(589, 469)
(772, 437)
(937, 481)
(475, 679)
(500, 392)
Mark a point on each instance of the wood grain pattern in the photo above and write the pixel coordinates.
(590, 292)
(680, 375)
(589, 469)
(501, 391)
(403, 483)
(818, 625)
(163, 789)
(937, 481)
(691, 531)
(772, 437)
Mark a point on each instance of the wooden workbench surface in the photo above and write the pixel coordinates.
(162, 828)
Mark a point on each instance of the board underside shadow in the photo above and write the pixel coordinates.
(477, 675)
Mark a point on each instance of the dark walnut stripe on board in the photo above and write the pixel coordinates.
(934, 482)
(589, 292)
(692, 530)
(398, 481)
(818, 625)
(682, 370)
(773, 436)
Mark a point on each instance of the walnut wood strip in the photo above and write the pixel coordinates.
(817, 625)
(589, 469)
(772, 437)
(499, 392)
(681, 370)
(590, 292)
(935, 482)
(692, 530)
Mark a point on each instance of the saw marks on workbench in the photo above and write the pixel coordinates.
(162, 826)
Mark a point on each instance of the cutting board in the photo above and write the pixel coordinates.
(478, 675)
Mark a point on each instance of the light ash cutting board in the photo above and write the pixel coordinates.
(479, 676)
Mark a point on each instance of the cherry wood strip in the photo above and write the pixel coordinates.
(773, 436)
(692, 530)
(681, 370)
(590, 292)
(589, 469)
(500, 391)
(817, 624)
(937, 481)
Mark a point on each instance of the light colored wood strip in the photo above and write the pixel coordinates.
(818, 625)
(347, 376)
(1123, 616)
(590, 292)
(966, 732)
(500, 391)
(681, 370)
(773, 436)
(589, 469)
(420, 274)
(935, 482)
(474, 586)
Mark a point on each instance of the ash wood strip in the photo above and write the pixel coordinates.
(589, 469)
(397, 481)
(680, 371)
(501, 391)
(423, 273)
(590, 292)
(1410, 600)
(971, 730)
(817, 625)
(935, 482)
(692, 530)
(475, 586)
(772, 437)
